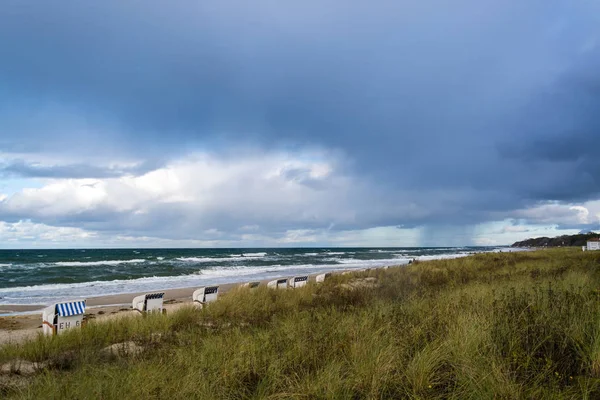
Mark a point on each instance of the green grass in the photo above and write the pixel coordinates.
(505, 326)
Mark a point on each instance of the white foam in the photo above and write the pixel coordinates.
(93, 263)
(260, 254)
(5, 265)
(382, 262)
(221, 259)
(201, 259)
(443, 256)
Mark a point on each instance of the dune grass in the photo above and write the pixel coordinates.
(506, 326)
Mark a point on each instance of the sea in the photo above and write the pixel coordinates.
(30, 277)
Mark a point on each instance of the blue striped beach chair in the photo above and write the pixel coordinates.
(60, 317)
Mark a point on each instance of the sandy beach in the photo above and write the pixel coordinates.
(18, 328)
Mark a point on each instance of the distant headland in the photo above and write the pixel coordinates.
(559, 241)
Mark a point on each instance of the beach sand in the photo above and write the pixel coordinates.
(19, 328)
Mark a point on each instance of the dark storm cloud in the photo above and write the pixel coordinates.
(474, 107)
(555, 142)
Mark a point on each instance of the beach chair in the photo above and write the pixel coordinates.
(149, 302)
(60, 317)
(278, 284)
(251, 285)
(321, 277)
(298, 281)
(205, 295)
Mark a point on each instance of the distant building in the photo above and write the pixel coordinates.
(593, 244)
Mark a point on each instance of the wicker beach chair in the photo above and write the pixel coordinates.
(321, 277)
(60, 317)
(205, 295)
(251, 285)
(149, 302)
(278, 284)
(298, 281)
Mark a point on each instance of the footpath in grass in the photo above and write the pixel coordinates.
(507, 325)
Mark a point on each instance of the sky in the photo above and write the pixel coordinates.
(313, 123)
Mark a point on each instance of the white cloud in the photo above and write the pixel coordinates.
(509, 231)
(583, 214)
(200, 195)
(485, 241)
(516, 228)
(29, 231)
(258, 199)
(587, 213)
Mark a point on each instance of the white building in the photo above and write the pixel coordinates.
(593, 244)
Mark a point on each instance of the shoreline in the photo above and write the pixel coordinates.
(175, 294)
(98, 299)
(19, 322)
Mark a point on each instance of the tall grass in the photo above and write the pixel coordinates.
(513, 325)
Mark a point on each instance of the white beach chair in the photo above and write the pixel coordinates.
(149, 302)
(278, 284)
(321, 277)
(205, 294)
(251, 285)
(60, 317)
(298, 281)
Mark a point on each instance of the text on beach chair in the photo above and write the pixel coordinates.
(60, 317)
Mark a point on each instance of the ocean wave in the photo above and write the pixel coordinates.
(201, 259)
(221, 259)
(259, 254)
(356, 261)
(208, 259)
(45, 294)
(94, 263)
(443, 256)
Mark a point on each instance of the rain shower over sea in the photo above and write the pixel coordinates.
(44, 276)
